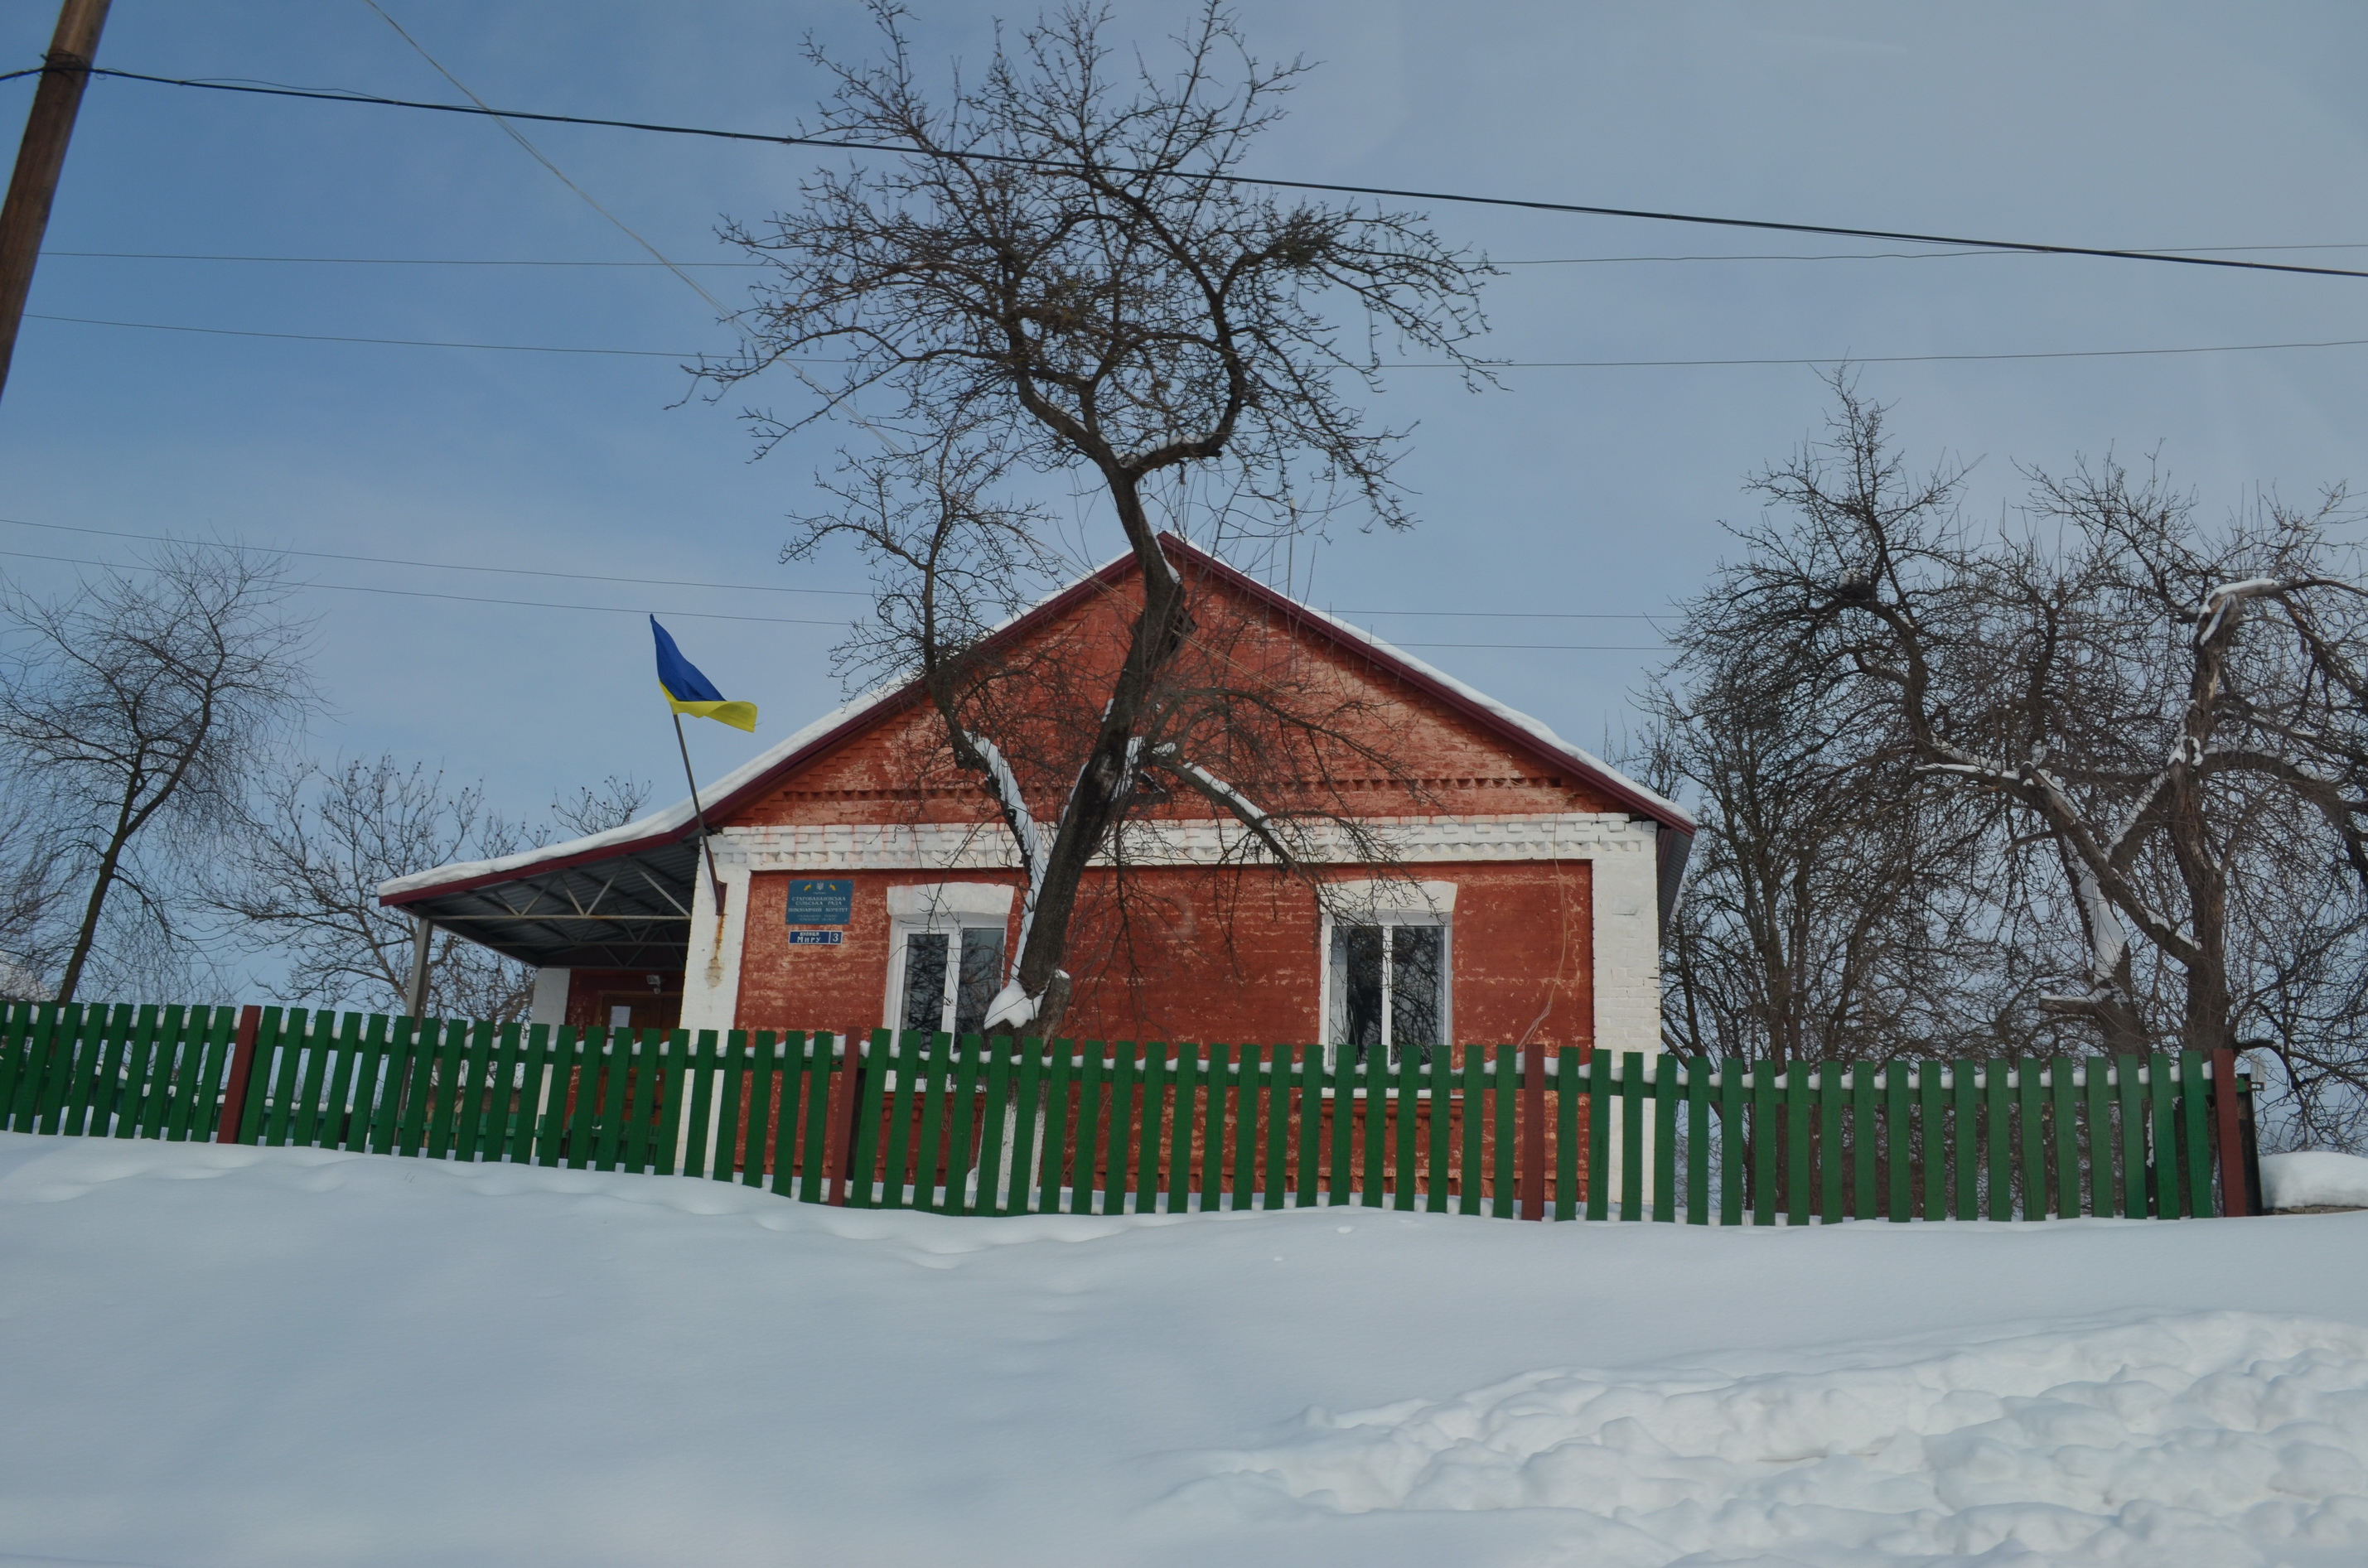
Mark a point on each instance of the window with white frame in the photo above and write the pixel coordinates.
(946, 958)
(1388, 977)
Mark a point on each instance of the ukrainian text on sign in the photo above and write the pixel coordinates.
(824, 902)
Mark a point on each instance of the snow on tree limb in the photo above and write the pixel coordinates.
(1013, 1007)
(1218, 792)
(2216, 602)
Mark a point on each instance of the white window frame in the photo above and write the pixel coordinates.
(1386, 904)
(949, 907)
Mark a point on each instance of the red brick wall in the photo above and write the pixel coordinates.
(896, 772)
(1226, 958)
(1215, 957)
(833, 988)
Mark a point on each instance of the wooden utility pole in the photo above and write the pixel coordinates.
(66, 71)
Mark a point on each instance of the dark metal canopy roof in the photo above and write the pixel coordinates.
(632, 911)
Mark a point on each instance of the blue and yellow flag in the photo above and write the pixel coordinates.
(687, 692)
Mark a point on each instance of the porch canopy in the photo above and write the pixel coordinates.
(621, 898)
(627, 910)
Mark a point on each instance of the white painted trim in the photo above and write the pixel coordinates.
(550, 1004)
(1384, 903)
(712, 1003)
(952, 922)
(946, 846)
(1627, 966)
(951, 898)
(1627, 944)
(1391, 899)
(710, 980)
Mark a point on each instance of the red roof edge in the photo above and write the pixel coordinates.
(1095, 582)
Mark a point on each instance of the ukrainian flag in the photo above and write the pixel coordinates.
(687, 692)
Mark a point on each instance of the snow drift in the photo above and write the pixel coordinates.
(2315, 1178)
(232, 1357)
(2221, 1435)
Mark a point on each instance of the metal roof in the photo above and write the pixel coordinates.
(629, 911)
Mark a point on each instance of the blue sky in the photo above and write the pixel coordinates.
(1572, 492)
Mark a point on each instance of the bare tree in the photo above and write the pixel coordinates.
(596, 808)
(1052, 275)
(2298, 945)
(136, 710)
(2163, 711)
(301, 885)
(1832, 910)
(33, 888)
(1285, 748)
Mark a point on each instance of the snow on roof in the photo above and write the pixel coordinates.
(1536, 728)
(655, 825)
(664, 824)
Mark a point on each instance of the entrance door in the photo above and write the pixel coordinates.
(640, 1010)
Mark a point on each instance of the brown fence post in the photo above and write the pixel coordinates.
(2229, 1130)
(1533, 1133)
(838, 1146)
(242, 1068)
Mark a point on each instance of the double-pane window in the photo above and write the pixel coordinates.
(1389, 989)
(950, 974)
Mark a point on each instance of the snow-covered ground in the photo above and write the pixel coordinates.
(230, 1355)
(2315, 1178)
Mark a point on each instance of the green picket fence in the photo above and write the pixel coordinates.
(122, 1072)
(998, 1127)
(1737, 1142)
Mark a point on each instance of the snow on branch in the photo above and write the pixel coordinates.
(2139, 810)
(1006, 788)
(1012, 1006)
(2109, 946)
(1209, 784)
(2215, 603)
(1996, 773)
(1246, 812)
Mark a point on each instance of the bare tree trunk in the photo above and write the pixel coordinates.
(140, 707)
(1098, 798)
(101, 885)
(1099, 302)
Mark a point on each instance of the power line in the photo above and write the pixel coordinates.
(383, 342)
(1501, 614)
(1537, 261)
(1401, 365)
(379, 260)
(515, 134)
(763, 619)
(688, 583)
(459, 599)
(445, 566)
(2159, 251)
(1893, 359)
(1214, 178)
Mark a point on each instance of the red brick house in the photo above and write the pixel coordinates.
(863, 888)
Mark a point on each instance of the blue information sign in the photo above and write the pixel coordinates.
(815, 938)
(820, 902)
